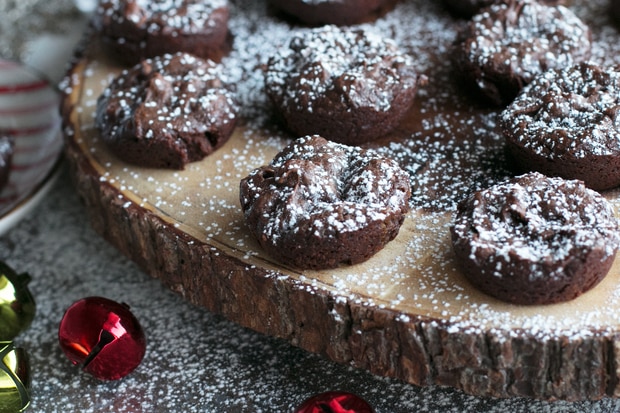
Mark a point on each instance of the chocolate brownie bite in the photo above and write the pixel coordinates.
(508, 44)
(348, 85)
(338, 12)
(6, 158)
(166, 112)
(468, 8)
(535, 239)
(133, 30)
(567, 123)
(320, 204)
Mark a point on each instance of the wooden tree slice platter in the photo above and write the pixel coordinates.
(407, 312)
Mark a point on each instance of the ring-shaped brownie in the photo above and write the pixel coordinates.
(338, 12)
(508, 44)
(348, 85)
(133, 30)
(567, 123)
(535, 239)
(166, 111)
(320, 204)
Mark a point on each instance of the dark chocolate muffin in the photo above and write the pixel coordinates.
(535, 240)
(508, 44)
(166, 112)
(567, 123)
(468, 8)
(133, 30)
(347, 85)
(320, 204)
(338, 12)
(6, 158)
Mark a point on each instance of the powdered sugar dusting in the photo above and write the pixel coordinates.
(529, 39)
(568, 112)
(346, 61)
(542, 222)
(179, 16)
(359, 179)
(175, 101)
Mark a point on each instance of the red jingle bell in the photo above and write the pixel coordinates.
(335, 402)
(103, 336)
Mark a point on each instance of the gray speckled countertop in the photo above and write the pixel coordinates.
(195, 361)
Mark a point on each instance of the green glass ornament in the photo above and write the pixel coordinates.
(14, 378)
(17, 307)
